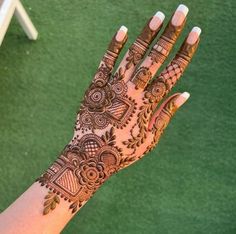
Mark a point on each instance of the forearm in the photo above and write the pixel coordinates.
(49, 204)
(25, 215)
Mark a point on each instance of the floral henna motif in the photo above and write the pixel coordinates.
(105, 103)
(81, 169)
(151, 97)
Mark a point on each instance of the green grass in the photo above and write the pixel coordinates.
(188, 183)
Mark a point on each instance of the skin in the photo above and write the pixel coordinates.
(46, 207)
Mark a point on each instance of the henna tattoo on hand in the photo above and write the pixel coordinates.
(125, 100)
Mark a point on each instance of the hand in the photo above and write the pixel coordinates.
(119, 120)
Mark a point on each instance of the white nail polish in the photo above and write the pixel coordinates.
(185, 95)
(183, 9)
(179, 15)
(193, 35)
(121, 34)
(197, 30)
(181, 99)
(160, 15)
(156, 21)
(124, 29)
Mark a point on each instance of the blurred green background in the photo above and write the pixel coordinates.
(188, 183)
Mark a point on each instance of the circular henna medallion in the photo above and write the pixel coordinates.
(119, 88)
(101, 121)
(96, 96)
(159, 90)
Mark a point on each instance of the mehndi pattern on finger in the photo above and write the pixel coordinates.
(141, 44)
(162, 48)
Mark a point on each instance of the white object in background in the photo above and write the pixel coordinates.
(7, 9)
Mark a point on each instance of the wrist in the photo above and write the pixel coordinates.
(79, 171)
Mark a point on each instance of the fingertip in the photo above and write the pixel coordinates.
(197, 30)
(157, 21)
(183, 8)
(124, 29)
(185, 95)
(194, 35)
(181, 99)
(160, 15)
(121, 34)
(179, 15)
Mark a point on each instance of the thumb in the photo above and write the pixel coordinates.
(163, 115)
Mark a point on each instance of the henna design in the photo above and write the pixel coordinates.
(140, 46)
(151, 97)
(81, 169)
(162, 121)
(165, 81)
(92, 157)
(143, 117)
(105, 103)
(172, 32)
(135, 53)
(141, 77)
(160, 51)
(51, 201)
(162, 48)
(159, 88)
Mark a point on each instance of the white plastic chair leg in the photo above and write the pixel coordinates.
(25, 21)
(7, 9)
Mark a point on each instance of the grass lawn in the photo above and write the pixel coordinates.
(187, 185)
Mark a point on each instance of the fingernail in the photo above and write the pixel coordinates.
(157, 20)
(179, 15)
(121, 33)
(194, 35)
(181, 99)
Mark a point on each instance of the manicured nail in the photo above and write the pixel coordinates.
(156, 21)
(179, 15)
(194, 35)
(121, 33)
(181, 99)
